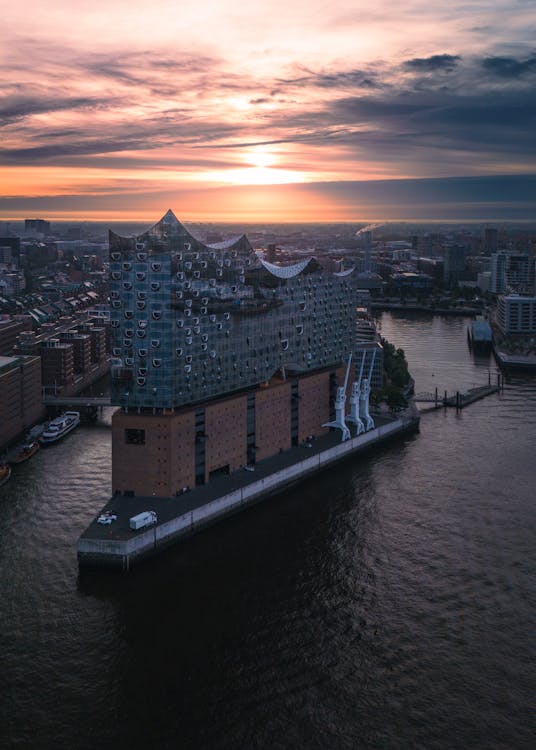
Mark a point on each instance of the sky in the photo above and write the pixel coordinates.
(275, 111)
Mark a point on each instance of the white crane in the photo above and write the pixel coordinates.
(365, 395)
(340, 401)
(354, 400)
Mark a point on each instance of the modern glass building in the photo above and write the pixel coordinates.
(192, 321)
(220, 358)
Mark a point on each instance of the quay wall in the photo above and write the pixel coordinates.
(123, 553)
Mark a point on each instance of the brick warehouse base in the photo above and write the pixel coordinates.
(159, 454)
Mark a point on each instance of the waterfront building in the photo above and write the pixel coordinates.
(414, 283)
(516, 314)
(71, 350)
(219, 358)
(20, 396)
(97, 334)
(81, 344)
(511, 272)
(57, 360)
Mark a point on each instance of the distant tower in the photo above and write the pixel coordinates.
(367, 238)
(37, 227)
(491, 240)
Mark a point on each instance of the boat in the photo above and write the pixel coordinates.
(35, 433)
(480, 335)
(5, 473)
(59, 427)
(23, 452)
(521, 362)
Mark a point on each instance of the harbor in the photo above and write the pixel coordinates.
(397, 572)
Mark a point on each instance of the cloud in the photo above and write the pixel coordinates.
(327, 110)
(331, 79)
(500, 197)
(17, 108)
(433, 64)
(509, 67)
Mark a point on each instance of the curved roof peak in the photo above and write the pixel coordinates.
(169, 217)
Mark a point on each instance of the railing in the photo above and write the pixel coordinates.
(457, 398)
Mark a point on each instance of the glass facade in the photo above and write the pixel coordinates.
(192, 321)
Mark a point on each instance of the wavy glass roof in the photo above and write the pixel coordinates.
(226, 244)
(348, 272)
(286, 272)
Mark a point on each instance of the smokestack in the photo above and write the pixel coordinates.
(367, 238)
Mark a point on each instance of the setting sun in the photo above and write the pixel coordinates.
(261, 157)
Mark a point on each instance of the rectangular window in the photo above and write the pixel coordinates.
(135, 437)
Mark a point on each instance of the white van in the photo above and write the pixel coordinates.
(146, 518)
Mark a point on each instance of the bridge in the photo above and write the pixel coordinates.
(77, 401)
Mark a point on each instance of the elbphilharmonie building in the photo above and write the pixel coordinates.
(219, 358)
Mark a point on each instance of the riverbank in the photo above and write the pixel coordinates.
(421, 307)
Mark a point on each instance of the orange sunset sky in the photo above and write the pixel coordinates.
(280, 110)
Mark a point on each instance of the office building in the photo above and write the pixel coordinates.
(455, 257)
(511, 272)
(516, 315)
(9, 250)
(491, 240)
(35, 227)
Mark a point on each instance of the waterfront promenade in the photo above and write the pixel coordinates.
(116, 546)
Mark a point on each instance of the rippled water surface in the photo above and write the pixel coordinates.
(389, 603)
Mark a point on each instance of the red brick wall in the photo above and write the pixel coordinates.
(272, 420)
(226, 428)
(164, 464)
(313, 405)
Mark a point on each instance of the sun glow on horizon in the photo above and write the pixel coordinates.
(297, 98)
(261, 157)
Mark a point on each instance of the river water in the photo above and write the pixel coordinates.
(389, 603)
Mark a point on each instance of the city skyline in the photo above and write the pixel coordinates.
(287, 112)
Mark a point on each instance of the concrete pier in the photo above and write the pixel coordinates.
(461, 400)
(116, 546)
